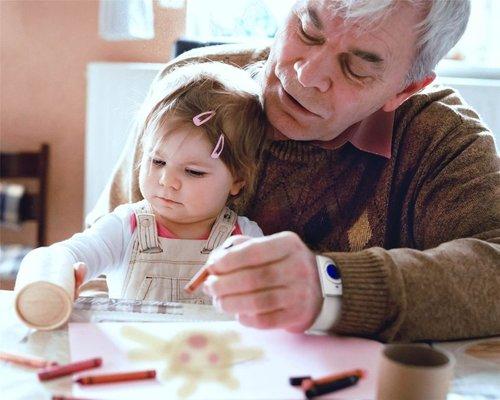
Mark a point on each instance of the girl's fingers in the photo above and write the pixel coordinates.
(80, 272)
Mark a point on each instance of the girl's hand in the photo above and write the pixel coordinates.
(80, 272)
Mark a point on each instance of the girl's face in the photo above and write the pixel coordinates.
(185, 186)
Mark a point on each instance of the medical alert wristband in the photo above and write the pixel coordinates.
(331, 287)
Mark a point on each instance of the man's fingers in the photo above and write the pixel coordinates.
(267, 282)
(254, 252)
(283, 318)
(229, 243)
(234, 240)
(251, 279)
(258, 302)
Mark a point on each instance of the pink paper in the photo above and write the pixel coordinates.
(265, 377)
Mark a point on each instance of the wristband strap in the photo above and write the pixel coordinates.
(331, 288)
(330, 311)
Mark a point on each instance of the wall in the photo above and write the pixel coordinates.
(45, 46)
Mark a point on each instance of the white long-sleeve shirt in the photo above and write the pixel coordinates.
(105, 248)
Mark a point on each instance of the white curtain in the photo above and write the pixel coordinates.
(238, 19)
(479, 45)
(126, 19)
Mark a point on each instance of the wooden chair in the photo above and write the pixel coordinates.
(17, 167)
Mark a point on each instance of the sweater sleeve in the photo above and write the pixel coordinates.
(99, 247)
(447, 285)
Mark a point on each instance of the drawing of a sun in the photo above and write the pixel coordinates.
(194, 355)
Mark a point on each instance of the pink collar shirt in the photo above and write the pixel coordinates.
(372, 135)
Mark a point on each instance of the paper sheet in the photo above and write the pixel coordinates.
(477, 367)
(217, 360)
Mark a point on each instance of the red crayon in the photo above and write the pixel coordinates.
(63, 370)
(68, 398)
(116, 377)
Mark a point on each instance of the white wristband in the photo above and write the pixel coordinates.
(331, 288)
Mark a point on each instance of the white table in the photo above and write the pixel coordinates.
(472, 382)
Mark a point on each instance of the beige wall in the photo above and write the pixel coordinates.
(45, 47)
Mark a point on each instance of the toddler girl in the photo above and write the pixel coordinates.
(202, 128)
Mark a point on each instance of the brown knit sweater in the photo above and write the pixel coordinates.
(416, 237)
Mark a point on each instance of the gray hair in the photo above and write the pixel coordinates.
(443, 24)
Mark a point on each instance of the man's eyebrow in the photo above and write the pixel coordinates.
(313, 15)
(368, 56)
(363, 54)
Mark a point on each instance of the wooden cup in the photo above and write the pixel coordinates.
(44, 298)
(414, 372)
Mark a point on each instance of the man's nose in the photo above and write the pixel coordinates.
(313, 72)
(170, 179)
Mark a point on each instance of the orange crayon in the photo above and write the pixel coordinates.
(197, 280)
(26, 361)
(63, 370)
(201, 276)
(116, 377)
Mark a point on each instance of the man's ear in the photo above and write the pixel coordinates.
(401, 97)
(236, 187)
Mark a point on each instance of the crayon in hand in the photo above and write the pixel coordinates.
(197, 280)
(201, 276)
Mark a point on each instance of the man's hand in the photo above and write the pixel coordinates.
(267, 282)
(80, 271)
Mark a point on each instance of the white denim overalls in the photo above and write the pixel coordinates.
(159, 268)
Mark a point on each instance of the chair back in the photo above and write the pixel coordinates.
(32, 165)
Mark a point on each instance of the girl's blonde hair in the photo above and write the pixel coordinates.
(194, 88)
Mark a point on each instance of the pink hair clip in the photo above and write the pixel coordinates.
(218, 147)
(203, 117)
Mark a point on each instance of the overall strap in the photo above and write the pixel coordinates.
(222, 229)
(147, 234)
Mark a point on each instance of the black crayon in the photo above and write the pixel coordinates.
(318, 390)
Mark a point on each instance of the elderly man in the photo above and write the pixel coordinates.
(379, 194)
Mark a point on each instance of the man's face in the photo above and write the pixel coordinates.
(323, 76)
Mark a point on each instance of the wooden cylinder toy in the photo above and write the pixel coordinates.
(414, 372)
(44, 296)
